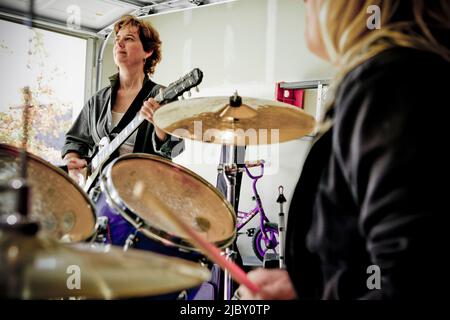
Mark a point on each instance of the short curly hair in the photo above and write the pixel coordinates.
(149, 37)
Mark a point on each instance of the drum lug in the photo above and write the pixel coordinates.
(183, 295)
(130, 242)
(94, 194)
(101, 232)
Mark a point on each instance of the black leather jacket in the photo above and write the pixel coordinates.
(373, 188)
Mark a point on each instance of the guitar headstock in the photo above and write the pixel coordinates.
(187, 82)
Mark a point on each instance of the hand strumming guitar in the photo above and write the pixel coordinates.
(76, 167)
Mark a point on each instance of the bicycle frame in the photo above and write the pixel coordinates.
(265, 238)
(245, 217)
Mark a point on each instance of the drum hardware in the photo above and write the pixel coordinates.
(230, 255)
(183, 295)
(231, 121)
(94, 193)
(17, 189)
(131, 240)
(64, 218)
(36, 267)
(11, 219)
(40, 267)
(101, 234)
(197, 240)
(229, 172)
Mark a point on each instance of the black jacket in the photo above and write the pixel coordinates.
(373, 188)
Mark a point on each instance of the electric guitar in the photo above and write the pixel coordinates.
(106, 148)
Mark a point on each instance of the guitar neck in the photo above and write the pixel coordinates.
(105, 153)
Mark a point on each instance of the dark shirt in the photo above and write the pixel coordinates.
(95, 122)
(371, 190)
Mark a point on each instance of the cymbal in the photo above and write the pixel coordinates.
(38, 268)
(63, 210)
(222, 120)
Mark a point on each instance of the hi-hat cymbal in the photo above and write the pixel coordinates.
(234, 120)
(37, 268)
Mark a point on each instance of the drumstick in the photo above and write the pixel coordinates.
(211, 251)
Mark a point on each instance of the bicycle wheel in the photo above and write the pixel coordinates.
(261, 245)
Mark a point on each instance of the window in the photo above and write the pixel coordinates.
(52, 65)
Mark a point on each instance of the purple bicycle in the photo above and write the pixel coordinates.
(265, 236)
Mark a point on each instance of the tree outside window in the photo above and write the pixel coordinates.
(53, 67)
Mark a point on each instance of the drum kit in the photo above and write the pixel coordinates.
(51, 249)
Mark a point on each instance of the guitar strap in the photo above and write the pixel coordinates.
(134, 107)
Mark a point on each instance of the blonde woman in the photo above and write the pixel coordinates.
(368, 217)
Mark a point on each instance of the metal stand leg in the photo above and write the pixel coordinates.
(229, 171)
(228, 282)
(281, 200)
(230, 177)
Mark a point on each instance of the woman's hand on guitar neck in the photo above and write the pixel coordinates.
(76, 167)
(148, 109)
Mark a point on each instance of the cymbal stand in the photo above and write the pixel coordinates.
(229, 171)
(18, 218)
(19, 186)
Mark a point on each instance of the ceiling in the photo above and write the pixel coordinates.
(89, 17)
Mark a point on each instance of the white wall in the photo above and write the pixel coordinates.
(246, 45)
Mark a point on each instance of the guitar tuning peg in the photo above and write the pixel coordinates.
(181, 97)
(189, 93)
(196, 89)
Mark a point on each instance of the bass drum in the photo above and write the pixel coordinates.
(64, 211)
(132, 180)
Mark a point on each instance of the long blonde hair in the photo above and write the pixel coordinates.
(404, 23)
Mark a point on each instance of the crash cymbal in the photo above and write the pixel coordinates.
(63, 210)
(36, 268)
(234, 120)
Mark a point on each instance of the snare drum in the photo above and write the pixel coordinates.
(130, 177)
(63, 210)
